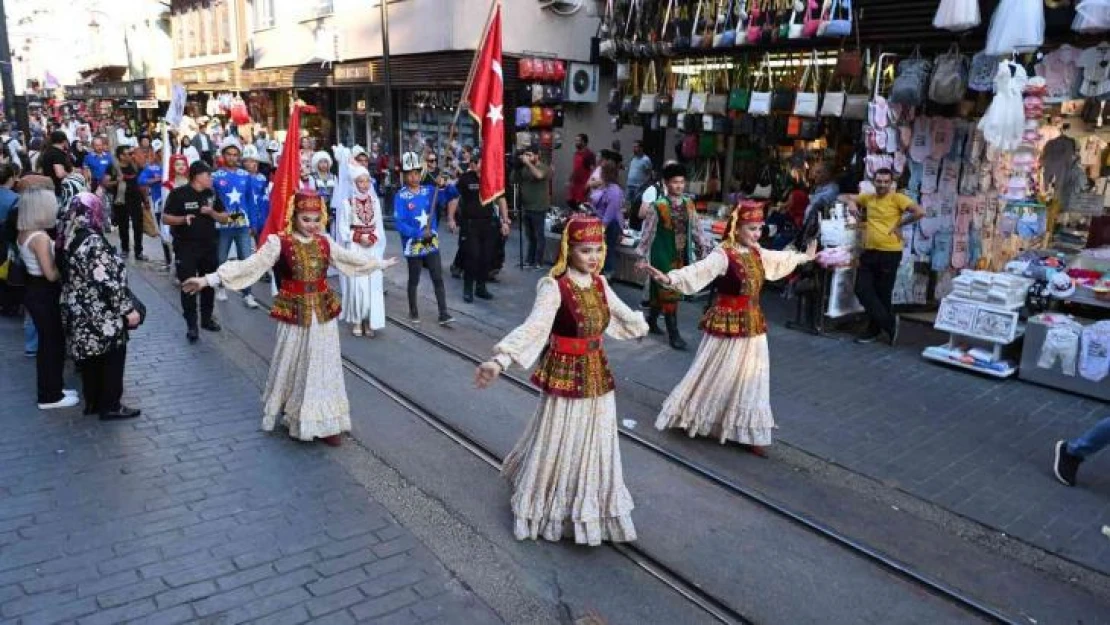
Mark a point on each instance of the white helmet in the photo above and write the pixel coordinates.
(250, 153)
(410, 161)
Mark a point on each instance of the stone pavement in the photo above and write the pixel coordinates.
(976, 446)
(190, 513)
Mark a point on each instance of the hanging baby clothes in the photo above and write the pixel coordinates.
(1091, 16)
(1094, 353)
(1060, 71)
(1004, 122)
(1095, 63)
(1016, 26)
(1061, 343)
(957, 15)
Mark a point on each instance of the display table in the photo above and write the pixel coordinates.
(1054, 376)
(978, 332)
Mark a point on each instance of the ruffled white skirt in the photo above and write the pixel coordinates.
(305, 387)
(566, 474)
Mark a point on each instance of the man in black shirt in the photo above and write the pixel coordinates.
(192, 211)
(479, 238)
(129, 215)
(54, 162)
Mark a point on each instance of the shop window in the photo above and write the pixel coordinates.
(320, 8)
(178, 28)
(223, 20)
(263, 14)
(203, 26)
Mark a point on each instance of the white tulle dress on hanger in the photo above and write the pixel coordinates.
(1016, 26)
(1004, 122)
(957, 15)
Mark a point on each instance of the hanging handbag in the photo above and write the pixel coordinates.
(811, 129)
(949, 82)
(833, 104)
(728, 37)
(760, 103)
(713, 178)
(910, 84)
(716, 103)
(782, 98)
(796, 25)
(811, 20)
(648, 100)
(697, 100)
(805, 102)
(840, 19)
(696, 36)
(707, 145)
(740, 96)
(680, 100)
(764, 186)
(755, 24)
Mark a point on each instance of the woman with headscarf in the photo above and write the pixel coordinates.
(359, 228)
(97, 307)
(323, 182)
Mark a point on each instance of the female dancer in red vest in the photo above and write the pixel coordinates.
(726, 392)
(566, 469)
(305, 385)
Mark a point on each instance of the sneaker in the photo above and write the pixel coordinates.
(69, 392)
(67, 401)
(249, 301)
(897, 330)
(414, 318)
(30, 354)
(445, 319)
(1064, 465)
(211, 325)
(221, 295)
(529, 266)
(868, 338)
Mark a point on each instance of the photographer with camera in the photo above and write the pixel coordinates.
(533, 178)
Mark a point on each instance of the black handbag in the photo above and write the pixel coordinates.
(137, 305)
(17, 271)
(782, 100)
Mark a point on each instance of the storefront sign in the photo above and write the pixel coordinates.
(219, 74)
(433, 99)
(77, 92)
(190, 76)
(146, 104)
(353, 73)
(266, 78)
(138, 89)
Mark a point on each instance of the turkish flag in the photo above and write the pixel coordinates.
(287, 176)
(486, 104)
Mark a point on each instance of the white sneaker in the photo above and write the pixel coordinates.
(249, 301)
(70, 391)
(221, 295)
(67, 401)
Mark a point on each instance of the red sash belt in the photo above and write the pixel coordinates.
(573, 346)
(734, 302)
(304, 287)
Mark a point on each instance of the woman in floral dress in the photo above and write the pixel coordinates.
(566, 469)
(359, 228)
(97, 307)
(726, 392)
(305, 386)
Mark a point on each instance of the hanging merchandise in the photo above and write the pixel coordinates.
(957, 15)
(761, 100)
(1095, 63)
(913, 76)
(839, 22)
(949, 83)
(1016, 26)
(1060, 70)
(1091, 17)
(805, 102)
(238, 111)
(1004, 122)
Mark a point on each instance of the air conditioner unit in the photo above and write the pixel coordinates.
(582, 82)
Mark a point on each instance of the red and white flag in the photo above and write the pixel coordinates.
(486, 104)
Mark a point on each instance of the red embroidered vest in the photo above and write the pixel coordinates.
(736, 311)
(302, 270)
(573, 363)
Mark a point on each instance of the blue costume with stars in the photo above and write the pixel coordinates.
(236, 191)
(259, 210)
(412, 211)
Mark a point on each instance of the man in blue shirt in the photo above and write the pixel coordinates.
(233, 184)
(259, 209)
(10, 297)
(98, 164)
(414, 216)
(150, 182)
(639, 171)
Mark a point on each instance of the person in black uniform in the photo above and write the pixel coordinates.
(480, 232)
(192, 212)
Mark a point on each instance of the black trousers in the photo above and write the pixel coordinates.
(102, 380)
(534, 222)
(432, 263)
(478, 245)
(42, 299)
(129, 219)
(875, 280)
(196, 258)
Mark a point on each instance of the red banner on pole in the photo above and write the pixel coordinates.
(486, 99)
(286, 176)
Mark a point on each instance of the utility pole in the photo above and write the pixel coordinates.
(6, 80)
(387, 114)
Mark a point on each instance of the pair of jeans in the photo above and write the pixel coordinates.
(102, 380)
(1092, 440)
(195, 258)
(878, 271)
(241, 237)
(613, 234)
(534, 226)
(129, 218)
(30, 334)
(43, 301)
(432, 263)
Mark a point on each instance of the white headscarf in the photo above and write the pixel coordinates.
(317, 158)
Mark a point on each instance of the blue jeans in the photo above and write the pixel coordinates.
(30, 335)
(241, 237)
(1091, 441)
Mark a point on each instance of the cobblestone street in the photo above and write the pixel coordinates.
(190, 513)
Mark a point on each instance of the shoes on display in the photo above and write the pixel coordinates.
(221, 294)
(67, 401)
(1065, 465)
(250, 302)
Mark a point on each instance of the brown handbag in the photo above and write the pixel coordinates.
(849, 63)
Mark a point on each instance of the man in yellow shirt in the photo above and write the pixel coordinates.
(884, 213)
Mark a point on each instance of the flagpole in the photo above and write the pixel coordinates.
(474, 63)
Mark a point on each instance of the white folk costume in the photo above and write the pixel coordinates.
(358, 226)
(726, 392)
(566, 469)
(305, 386)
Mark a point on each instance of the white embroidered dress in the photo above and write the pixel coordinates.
(726, 393)
(305, 385)
(363, 296)
(566, 468)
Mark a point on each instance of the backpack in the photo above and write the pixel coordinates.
(949, 83)
(913, 76)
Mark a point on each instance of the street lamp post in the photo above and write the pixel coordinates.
(387, 122)
(6, 66)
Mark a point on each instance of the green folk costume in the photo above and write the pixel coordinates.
(671, 239)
